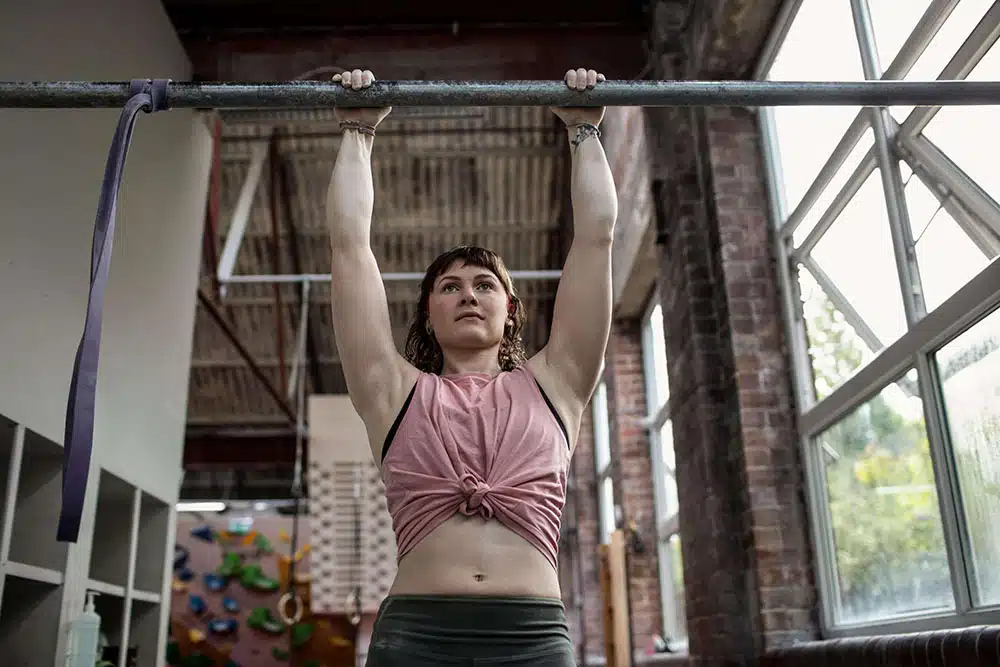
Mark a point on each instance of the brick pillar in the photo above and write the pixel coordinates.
(743, 528)
(584, 479)
(631, 472)
(775, 514)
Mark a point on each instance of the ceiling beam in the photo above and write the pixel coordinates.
(523, 53)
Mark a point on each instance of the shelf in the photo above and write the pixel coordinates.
(29, 622)
(8, 430)
(36, 515)
(112, 525)
(144, 632)
(146, 596)
(32, 573)
(104, 588)
(151, 550)
(111, 609)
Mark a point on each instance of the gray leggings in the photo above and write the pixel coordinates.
(470, 631)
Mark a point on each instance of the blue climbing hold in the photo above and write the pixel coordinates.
(223, 626)
(230, 605)
(181, 555)
(213, 582)
(185, 574)
(232, 663)
(197, 604)
(203, 533)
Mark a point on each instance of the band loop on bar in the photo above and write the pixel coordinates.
(78, 439)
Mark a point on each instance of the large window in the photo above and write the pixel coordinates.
(892, 291)
(661, 440)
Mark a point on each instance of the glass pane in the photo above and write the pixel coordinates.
(675, 607)
(888, 541)
(835, 348)
(960, 131)
(969, 368)
(834, 187)
(607, 513)
(944, 45)
(893, 21)
(947, 259)
(602, 431)
(860, 237)
(805, 136)
(656, 348)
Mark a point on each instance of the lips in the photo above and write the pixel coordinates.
(467, 316)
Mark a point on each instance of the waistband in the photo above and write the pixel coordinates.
(482, 615)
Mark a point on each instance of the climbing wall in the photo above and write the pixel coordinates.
(345, 489)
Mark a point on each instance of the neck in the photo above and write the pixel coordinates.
(460, 362)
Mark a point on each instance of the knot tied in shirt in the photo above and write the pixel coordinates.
(475, 491)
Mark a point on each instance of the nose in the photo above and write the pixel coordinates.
(468, 297)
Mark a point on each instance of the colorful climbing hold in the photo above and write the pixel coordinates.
(340, 642)
(213, 582)
(261, 619)
(231, 566)
(279, 653)
(197, 660)
(181, 555)
(253, 577)
(196, 636)
(263, 544)
(301, 632)
(173, 653)
(178, 586)
(204, 532)
(230, 605)
(185, 574)
(223, 626)
(197, 604)
(283, 536)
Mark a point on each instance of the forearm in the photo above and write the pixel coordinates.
(350, 197)
(592, 189)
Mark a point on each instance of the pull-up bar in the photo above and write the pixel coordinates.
(311, 94)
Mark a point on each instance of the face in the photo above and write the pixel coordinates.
(467, 307)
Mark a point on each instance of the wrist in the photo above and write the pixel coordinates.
(581, 132)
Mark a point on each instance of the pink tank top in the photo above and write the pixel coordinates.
(477, 444)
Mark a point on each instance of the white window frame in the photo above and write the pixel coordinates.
(979, 215)
(602, 443)
(674, 623)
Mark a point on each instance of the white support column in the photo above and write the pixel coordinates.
(241, 214)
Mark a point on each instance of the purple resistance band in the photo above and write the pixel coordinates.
(78, 442)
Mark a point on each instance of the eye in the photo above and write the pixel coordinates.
(448, 287)
(486, 285)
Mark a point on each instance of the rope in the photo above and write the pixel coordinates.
(78, 440)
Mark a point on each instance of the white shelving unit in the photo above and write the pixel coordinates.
(127, 566)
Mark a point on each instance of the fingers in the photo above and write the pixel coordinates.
(355, 79)
(582, 79)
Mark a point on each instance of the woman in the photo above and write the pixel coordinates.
(473, 440)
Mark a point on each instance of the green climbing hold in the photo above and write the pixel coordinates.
(173, 653)
(280, 653)
(263, 544)
(260, 619)
(301, 632)
(232, 565)
(311, 662)
(197, 660)
(252, 576)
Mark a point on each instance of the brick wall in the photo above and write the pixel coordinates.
(775, 515)
(633, 481)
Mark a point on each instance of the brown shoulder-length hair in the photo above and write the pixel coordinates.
(422, 349)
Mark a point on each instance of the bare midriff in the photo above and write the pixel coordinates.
(469, 555)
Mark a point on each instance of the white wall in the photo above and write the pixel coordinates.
(51, 168)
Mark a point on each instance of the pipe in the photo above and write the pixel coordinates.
(216, 314)
(305, 94)
(387, 277)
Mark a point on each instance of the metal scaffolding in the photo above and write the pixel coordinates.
(308, 94)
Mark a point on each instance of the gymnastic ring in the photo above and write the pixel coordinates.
(351, 608)
(282, 608)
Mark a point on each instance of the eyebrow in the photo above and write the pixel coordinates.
(478, 276)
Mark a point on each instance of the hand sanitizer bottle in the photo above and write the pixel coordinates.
(83, 635)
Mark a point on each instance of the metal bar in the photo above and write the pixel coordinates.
(976, 45)
(303, 94)
(234, 338)
(241, 212)
(854, 182)
(388, 277)
(923, 156)
(300, 347)
(892, 181)
(843, 304)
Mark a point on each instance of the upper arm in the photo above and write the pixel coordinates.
(581, 319)
(374, 370)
